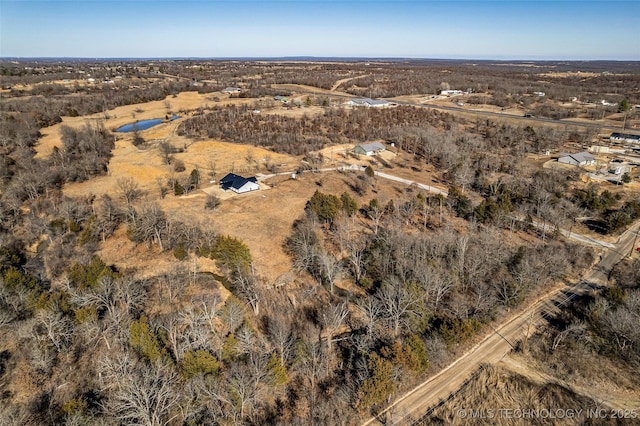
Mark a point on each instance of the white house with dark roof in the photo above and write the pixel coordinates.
(239, 184)
(577, 159)
(369, 148)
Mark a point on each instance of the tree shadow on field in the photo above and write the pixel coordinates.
(597, 225)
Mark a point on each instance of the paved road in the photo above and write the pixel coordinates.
(593, 125)
(417, 402)
(455, 109)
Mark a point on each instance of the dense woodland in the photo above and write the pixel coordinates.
(85, 342)
(602, 326)
(599, 329)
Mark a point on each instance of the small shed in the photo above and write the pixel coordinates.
(239, 184)
(369, 148)
(577, 159)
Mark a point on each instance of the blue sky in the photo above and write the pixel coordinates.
(507, 29)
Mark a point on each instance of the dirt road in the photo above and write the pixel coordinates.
(344, 80)
(410, 182)
(417, 402)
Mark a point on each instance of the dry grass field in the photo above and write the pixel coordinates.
(180, 104)
(261, 219)
(295, 112)
(501, 395)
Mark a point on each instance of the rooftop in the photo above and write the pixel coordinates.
(372, 147)
(369, 101)
(580, 156)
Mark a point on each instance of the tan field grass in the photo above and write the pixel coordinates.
(495, 389)
(114, 118)
(263, 219)
(565, 74)
(295, 112)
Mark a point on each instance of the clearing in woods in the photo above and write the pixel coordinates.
(262, 219)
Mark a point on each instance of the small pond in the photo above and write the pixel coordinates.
(142, 125)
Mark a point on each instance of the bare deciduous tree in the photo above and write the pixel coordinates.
(231, 315)
(108, 216)
(174, 283)
(333, 317)
(174, 328)
(371, 311)
(129, 189)
(58, 329)
(165, 150)
(140, 394)
(312, 360)
(331, 267)
(355, 246)
(150, 225)
(397, 303)
(249, 288)
(280, 334)
(303, 244)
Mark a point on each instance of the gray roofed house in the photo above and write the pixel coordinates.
(624, 137)
(231, 90)
(367, 102)
(369, 148)
(577, 159)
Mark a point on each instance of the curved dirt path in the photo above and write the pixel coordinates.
(344, 80)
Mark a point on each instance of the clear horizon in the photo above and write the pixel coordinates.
(456, 30)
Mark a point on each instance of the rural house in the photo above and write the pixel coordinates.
(624, 137)
(369, 103)
(578, 159)
(369, 148)
(239, 184)
(231, 90)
